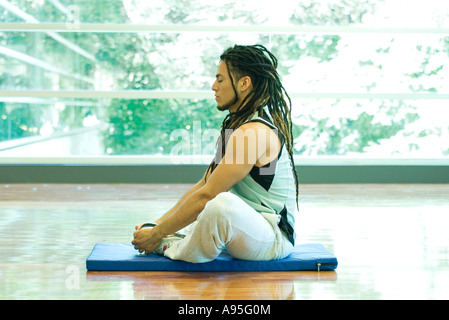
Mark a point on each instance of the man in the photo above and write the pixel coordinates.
(247, 199)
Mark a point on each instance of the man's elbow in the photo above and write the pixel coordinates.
(205, 194)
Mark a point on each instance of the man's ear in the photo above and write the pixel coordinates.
(245, 83)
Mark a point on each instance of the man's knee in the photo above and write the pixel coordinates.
(220, 206)
(224, 199)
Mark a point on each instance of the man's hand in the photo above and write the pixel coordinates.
(140, 225)
(146, 240)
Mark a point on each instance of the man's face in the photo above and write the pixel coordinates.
(224, 92)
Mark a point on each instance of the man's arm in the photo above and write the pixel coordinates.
(197, 186)
(222, 179)
(237, 163)
(228, 172)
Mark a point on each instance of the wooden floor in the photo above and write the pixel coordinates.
(392, 242)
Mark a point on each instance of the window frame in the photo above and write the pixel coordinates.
(32, 25)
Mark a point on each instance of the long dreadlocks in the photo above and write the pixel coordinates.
(260, 65)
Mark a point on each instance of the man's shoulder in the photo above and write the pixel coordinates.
(254, 125)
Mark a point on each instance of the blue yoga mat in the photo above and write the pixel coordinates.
(123, 257)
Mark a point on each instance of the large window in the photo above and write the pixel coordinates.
(97, 78)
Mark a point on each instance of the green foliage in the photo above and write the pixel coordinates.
(127, 60)
(354, 132)
(145, 126)
(19, 123)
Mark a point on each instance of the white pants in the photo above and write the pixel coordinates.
(227, 221)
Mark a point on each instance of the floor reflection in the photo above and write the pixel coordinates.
(212, 285)
(390, 241)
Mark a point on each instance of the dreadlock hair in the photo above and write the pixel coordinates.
(260, 65)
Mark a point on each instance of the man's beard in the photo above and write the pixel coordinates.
(224, 107)
(228, 105)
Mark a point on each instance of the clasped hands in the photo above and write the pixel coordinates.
(147, 239)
